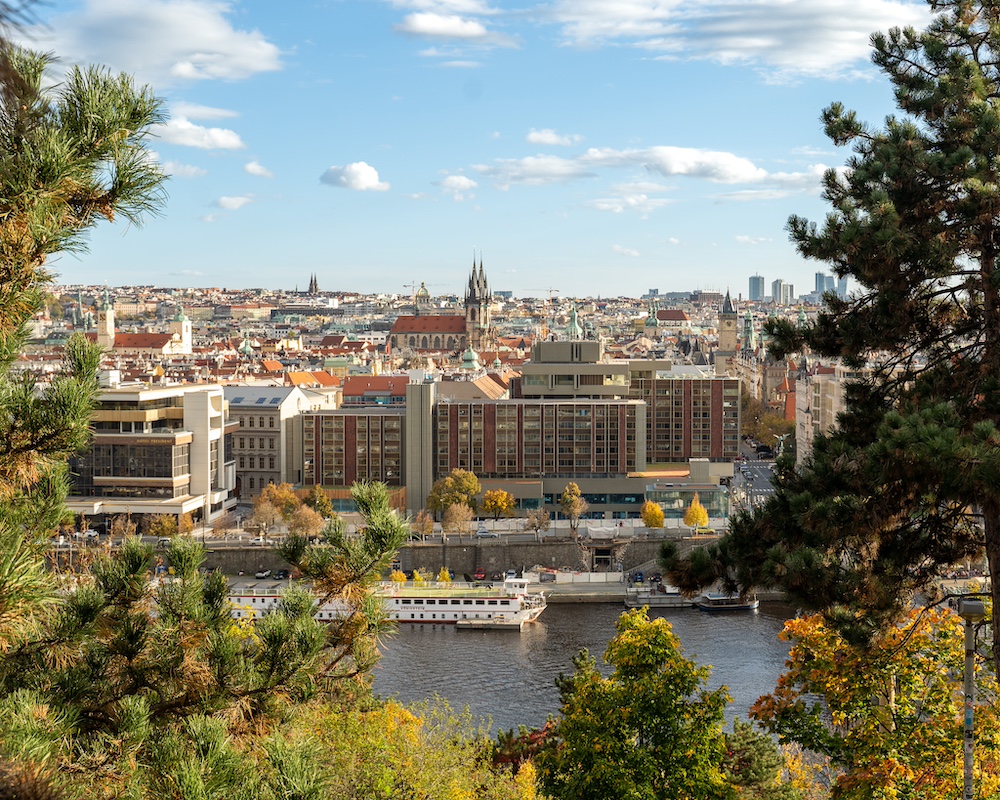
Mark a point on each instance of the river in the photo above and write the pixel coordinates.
(510, 677)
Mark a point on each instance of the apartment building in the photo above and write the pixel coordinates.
(268, 445)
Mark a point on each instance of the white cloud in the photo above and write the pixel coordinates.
(461, 64)
(446, 6)
(197, 111)
(160, 41)
(533, 170)
(673, 240)
(183, 132)
(258, 169)
(459, 187)
(751, 239)
(358, 176)
(625, 251)
(717, 166)
(550, 137)
(441, 26)
(630, 202)
(179, 170)
(233, 203)
(785, 39)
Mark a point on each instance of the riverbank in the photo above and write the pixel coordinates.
(557, 593)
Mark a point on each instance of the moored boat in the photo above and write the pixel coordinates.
(719, 601)
(505, 606)
(657, 597)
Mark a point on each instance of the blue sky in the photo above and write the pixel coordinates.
(593, 147)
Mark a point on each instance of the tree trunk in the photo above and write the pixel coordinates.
(991, 524)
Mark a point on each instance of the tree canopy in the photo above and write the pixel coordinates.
(906, 482)
(459, 486)
(573, 505)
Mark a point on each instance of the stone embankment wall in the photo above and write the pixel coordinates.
(492, 555)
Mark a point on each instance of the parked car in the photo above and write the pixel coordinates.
(479, 574)
(163, 541)
(281, 574)
(261, 540)
(483, 532)
(262, 573)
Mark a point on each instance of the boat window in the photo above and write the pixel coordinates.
(429, 602)
(466, 602)
(480, 602)
(406, 602)
(418, 602)
(492, 602)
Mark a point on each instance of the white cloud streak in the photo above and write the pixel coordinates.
(178, 170)
(550, 137)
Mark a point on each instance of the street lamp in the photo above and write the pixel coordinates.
(972, 611)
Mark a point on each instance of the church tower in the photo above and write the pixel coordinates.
(180, 327)
(725, 356)
(477, 308)
(106, 323)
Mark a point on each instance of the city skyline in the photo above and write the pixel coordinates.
(586, 148)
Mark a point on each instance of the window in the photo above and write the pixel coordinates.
(270, 462)
(270, 443)
(250, 421)
(270, 422)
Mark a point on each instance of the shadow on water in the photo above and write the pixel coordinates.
(510, 677)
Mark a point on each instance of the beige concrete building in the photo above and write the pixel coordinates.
(157, 450)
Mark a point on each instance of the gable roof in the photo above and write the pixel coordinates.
(429, 324)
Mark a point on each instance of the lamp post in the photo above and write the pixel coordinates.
(972, 611)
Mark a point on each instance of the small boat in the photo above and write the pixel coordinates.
(504, 606)
(656, 597)
(718, 601)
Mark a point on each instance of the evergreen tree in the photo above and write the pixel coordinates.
(908, 481)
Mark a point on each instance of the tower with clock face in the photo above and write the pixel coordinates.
(726, 354)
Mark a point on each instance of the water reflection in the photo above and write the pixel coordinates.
(510, 677)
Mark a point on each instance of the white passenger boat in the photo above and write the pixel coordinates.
(718, 601)
(503, 606)
(662, 596)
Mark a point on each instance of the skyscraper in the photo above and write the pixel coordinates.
(756, 288)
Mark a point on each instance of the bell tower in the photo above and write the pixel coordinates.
(477, 307)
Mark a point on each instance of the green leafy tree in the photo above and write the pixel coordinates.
(651, 514)
(319, 501)
(649, 730)
(460, 486)
(498, 502)
(914, 223)
(573, 506)
(887, 717)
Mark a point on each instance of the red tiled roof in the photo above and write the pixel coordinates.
(672, 315)
(359, 385)
(429, 324)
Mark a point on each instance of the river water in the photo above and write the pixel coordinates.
(510, 677)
